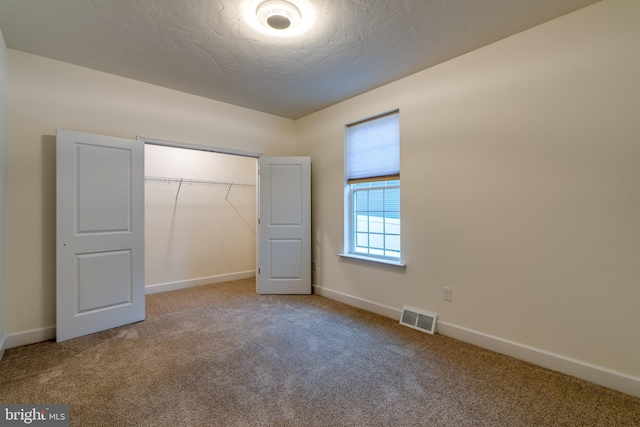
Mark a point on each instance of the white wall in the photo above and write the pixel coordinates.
(45, 94)
(207, 233)
(3, 129)
(520, 165)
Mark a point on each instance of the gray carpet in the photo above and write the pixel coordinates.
(221, 355)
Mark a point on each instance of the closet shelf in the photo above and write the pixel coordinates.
(193, 181)
(181, 181)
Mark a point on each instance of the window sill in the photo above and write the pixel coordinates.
(374, 260)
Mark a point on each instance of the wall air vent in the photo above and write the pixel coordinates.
(419, 319)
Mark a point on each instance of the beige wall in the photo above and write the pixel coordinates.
(3, 128)
(520, 171)
(46, 94)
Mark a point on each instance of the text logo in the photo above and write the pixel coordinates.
(34, 415)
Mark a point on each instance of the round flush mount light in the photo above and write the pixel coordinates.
(278, 15)
(280, 19)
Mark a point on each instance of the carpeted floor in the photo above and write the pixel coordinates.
(221, 355)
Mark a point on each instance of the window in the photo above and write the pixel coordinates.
(372, 192)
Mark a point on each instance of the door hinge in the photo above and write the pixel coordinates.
(258, 221)
(258, 272)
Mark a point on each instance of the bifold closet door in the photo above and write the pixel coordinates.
(284, 225)
(100, 233)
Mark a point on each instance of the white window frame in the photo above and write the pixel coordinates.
(349, 231)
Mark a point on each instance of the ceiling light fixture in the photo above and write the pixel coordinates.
(278, 14)
(279, 19)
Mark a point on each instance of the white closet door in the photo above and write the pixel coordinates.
(100, 233)
(284, 225)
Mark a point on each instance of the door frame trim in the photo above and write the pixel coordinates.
(219, 150)
(198, 147)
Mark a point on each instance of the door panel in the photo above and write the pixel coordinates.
(103, 208)
(100, 233)
(285, 223)
(104, 280)
(285, 190)
(285, 258)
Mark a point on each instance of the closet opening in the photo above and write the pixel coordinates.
(200, 216)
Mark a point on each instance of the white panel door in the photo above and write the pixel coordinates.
(100, 233)
(284, 228)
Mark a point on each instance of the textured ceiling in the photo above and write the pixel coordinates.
(206, 47)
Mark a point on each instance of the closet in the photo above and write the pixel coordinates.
(200, 217)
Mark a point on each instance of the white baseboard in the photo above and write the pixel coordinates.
(31, 336)
(606, 377)
(2, 342)
(182, 284)
(616, 380)
(364, 304)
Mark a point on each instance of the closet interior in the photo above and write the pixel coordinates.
(200, 217)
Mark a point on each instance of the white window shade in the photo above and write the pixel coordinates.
(374, 149)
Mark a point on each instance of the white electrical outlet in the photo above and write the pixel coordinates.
(446, 293)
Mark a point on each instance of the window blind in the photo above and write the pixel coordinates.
(373, 151)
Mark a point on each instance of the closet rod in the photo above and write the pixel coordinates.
(194, 181)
